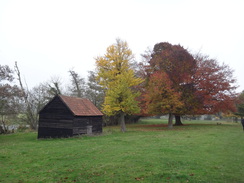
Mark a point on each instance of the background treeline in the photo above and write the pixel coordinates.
(167, 80)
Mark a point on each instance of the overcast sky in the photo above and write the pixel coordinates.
(49, 37)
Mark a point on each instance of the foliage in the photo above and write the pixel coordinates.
(214, 85)
(203, 85)
(173, 67)
(175, 61)
(159, 96)
(196, 152)
(118, 78)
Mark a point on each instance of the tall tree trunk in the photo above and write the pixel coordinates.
(122, 121)
(74, 75)
(178, 120)
(170, 121)
(30, 116)
(5, 130)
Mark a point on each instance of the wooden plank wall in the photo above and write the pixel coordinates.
(55, 120)
(44, 132)
(56, 115)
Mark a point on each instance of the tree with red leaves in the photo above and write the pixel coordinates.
(197, 85)
(214, 86)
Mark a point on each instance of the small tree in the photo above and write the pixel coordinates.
(94, 91)
(117, 78)
(77, 84)
(54, 86)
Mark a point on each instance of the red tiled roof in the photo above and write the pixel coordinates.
(81, 106)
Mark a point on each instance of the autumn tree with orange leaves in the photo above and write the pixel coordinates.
(160, 97)
(176, 66)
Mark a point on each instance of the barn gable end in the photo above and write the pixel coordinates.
(67, 116)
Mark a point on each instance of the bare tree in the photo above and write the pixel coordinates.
(54, 86)
(77, 84)
(37, 98)
(31, 117)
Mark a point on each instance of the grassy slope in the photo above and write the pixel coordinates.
(198, 152)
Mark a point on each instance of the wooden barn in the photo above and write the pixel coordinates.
(67, 116)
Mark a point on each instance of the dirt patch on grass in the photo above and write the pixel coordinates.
(156, 127)
(163, 127)
(153, 126)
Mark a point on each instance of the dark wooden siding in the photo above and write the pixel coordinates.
(82, 122)
(96, 122)
(44, 132)
(55, 120)
(56, 115)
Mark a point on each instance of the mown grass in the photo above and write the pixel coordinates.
(149, 152)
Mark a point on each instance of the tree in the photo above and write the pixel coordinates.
(214, 86)
(54, 86)
(10, 95)
(203, 85)
(38, 96)
(94, 91)
(77, 84)
(178, 66)
(31, 120)
(118, 79)
(160, 98)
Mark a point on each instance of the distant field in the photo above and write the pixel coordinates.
(199, 151)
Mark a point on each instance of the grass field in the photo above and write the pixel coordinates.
(199, 151)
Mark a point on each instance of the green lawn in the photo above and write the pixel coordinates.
(196, 152)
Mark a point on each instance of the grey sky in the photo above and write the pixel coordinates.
(49, 37)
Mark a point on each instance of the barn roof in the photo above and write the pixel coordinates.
(80, 106)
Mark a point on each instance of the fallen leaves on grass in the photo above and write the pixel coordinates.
(139, 178)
